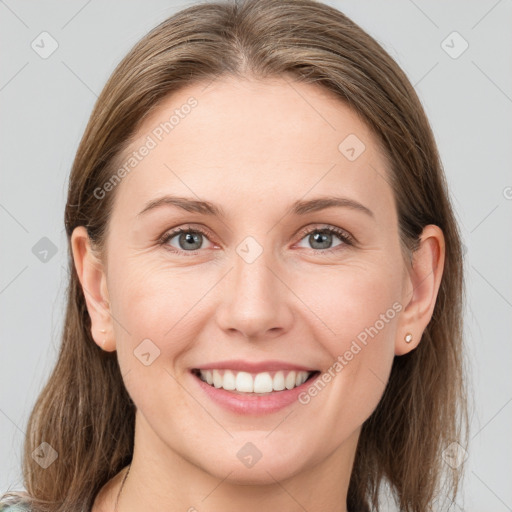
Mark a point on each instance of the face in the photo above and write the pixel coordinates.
(270, 276)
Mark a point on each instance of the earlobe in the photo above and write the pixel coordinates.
(94, 286)
(421, 287)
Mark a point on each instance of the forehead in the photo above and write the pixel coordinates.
(256, 140)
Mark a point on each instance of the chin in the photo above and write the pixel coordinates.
(260, 474)
(264, 468)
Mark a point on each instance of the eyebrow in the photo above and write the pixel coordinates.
(300, 207)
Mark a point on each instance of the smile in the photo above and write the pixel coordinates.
(256, 383)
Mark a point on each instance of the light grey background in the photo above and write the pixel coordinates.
(46, 104)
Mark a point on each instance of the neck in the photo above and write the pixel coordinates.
(160, 478)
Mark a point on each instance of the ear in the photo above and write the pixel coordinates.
(421, 285)
(94, 285)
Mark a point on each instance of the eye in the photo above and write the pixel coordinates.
(322, 238)
(188, 240)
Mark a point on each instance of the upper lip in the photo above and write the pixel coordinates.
(254, 367)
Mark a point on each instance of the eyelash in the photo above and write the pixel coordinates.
(340, 233)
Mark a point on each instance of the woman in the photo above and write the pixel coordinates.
(306, 349)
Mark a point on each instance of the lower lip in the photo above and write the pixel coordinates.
(252, 403)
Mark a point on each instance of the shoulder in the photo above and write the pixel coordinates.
(15, 502)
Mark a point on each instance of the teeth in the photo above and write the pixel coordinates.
(263, 383)
(217, 379)
(278, 381)
(229, 381)
(289, 382)
(245, 382)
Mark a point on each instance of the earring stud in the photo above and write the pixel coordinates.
(408, 337)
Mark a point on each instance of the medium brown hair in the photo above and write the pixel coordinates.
(85, 413)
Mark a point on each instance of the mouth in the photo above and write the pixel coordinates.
(254, 384)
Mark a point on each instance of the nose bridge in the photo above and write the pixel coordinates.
(251, 275)
(253, 301)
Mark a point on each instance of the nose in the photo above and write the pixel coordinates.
(255, 301)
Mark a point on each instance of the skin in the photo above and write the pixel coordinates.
(252, 147)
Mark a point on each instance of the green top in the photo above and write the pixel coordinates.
(15, 507)
(15, 504)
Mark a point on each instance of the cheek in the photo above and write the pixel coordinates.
(156, 304)
(155, 323)
(356, 302)
(155, 300)
(357, 311)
